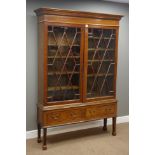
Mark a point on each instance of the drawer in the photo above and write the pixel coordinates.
(78, 114)
(100, 111)
(58, 117)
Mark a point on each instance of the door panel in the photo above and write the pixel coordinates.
(101, 63)
(63, 68)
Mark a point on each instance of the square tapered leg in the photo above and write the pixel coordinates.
(44, 147)
(105, 124)
(39, 132)
(114, 126)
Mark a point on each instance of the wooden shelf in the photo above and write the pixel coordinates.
(91, 37)
(63, 57)
(52, 64)
(63, 27)
(51, 97)
(100, 74)
(97, 60)
(97, 95)
(100, 49)
(63, 73)
(76, 45)
(56, 88)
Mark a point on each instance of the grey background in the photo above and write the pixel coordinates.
(32, 53)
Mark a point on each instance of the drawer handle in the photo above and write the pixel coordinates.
(55, 117)
(109, 109)
(92, 112)
(74, 115)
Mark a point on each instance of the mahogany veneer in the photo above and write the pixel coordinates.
(77, 68)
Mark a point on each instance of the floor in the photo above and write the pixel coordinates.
(84, 142)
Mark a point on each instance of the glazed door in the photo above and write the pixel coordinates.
(64, 64)
(101, 63)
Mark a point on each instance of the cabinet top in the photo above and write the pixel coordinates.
(73, 13)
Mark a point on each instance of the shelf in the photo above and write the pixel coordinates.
(97, 60)
(66, 63)
(91, 37)
(76, 45)
(62, 73)
(53, 31)
(51, 97)
(97, 95)
(100, 49)
(63, 57)
(111, 91)
(100, 74)
(56, 88)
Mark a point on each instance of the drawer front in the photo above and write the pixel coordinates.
(78, 114)
(58, 117)
(100, 111)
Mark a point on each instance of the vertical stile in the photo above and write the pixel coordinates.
(85, 63)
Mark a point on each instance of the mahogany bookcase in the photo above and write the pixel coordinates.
(77, 68)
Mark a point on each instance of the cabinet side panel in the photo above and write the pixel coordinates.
(40, 63)
(116, 60)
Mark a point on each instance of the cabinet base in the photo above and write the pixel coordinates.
(76, 113)
(44, 147)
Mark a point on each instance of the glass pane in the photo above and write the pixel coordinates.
(101, 47)
(63, 63)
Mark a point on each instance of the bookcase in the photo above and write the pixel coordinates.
(77, 68)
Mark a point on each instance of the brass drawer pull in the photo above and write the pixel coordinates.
(92, 112)
(74, 115)
(55, 117)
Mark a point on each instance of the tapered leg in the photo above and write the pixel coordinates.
(114, 126)
(39, 133)
(105, 124)
(44, 138)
